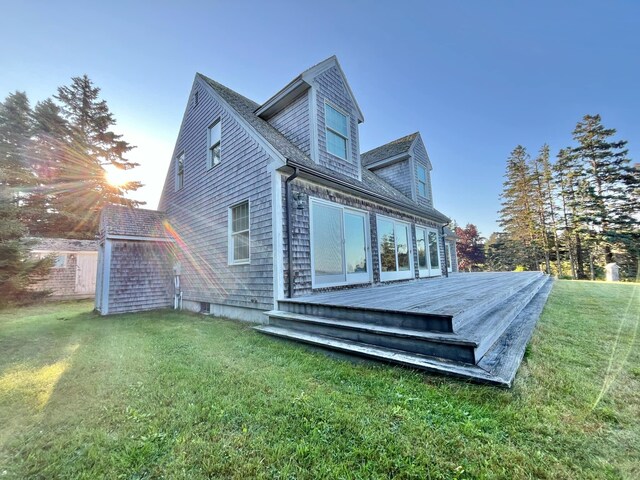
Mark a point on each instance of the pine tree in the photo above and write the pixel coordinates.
(81, 187)
(517, 216)
(17, 269)
(540, 204)
(610, 188)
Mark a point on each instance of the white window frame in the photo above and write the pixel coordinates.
(178, 172)
(419, 182)
(211, 145)
(230, 234)
(429, 272)
(398, 274)
(367, 241)
(450, 246)
(328, 128)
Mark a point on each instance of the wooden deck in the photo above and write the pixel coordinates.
(474, 325)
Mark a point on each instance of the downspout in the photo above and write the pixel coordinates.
(287, 208)
(444, 244)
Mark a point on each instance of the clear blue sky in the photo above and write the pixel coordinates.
(476, 78)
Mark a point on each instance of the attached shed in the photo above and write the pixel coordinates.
(73, 274)
(135, 261)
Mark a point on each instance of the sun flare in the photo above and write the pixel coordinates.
(116, 176)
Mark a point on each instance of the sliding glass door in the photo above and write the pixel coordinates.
(339, 240)
(394, 239)
(428, 252)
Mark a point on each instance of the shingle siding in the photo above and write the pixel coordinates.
(199, 211)
(293, 123)
(301, 243)
(420, 157)
(141, 276)
(398, 175)
(330, 87)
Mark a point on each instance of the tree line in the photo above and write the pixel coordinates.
(52, 174)
(574, 215)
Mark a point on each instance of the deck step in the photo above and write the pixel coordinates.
(389, 355)
(504, 357)
(486, 329)
(376, 316)
(442, 345)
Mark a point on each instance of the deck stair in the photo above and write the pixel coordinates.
(479, 334)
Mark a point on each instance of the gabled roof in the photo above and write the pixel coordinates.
(63, 245)
(370, 184)
(134, 222)
(392, 149)
(301, 83)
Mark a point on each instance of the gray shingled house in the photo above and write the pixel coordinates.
(272, 208)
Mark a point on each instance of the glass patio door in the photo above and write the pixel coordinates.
(395, 254)
(338, 245)
(428, 252)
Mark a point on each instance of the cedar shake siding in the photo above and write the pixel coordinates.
(293, 123)
(199, 211)
(301, 243)
(141, 276)
(329, 87)
(398, 175)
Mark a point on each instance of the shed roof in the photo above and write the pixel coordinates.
(370, 183)
(63, 245)
(129, 221)
(388, 150)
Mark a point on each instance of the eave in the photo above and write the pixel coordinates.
(283, 98)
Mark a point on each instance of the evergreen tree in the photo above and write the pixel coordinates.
(81, 187)
(517, 215)
(540, 203)
(17, 269)
(501, 253)
(610, 185)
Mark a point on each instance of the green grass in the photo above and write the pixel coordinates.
(173, 395)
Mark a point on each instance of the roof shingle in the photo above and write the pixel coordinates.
(128, 221)
(388, 150)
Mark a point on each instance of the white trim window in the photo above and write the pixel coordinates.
(214, 135)
(394, 247)
(337, 131)
(422, 181)
(340, 253)
(429, 263)
(239, 234)
(180, 171)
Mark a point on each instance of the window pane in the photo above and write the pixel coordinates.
(422, 189)
(355, 243)
(449, 249)
(433, 250)
(214, 133)
(422, 174)
(402, 243)
(336, 145)
(60, 262)
(328, 256)
(336, 121)
(240, 217)
(241, 246)
(215, 154)
(422, 248)
(387, 246)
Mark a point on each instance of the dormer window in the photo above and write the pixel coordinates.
(213, 142)
(422, 181)
(337, 129)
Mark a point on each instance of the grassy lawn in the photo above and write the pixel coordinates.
(175, 395)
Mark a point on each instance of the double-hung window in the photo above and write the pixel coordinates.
(337, 130)
(213, 142)
(239, 233)
(180, 171)
(422, 181)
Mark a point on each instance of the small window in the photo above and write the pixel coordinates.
(213, 142)
(195, 99)
(180, 171)
(422, 181)
(60, 261)
(239, 233)
(337, 129)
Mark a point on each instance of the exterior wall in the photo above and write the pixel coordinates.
(293, 123)
(420, 157)
(141, 276)
(398, 175)
(329, 86)
(301, 243)
(199, 211)
(61, 281)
